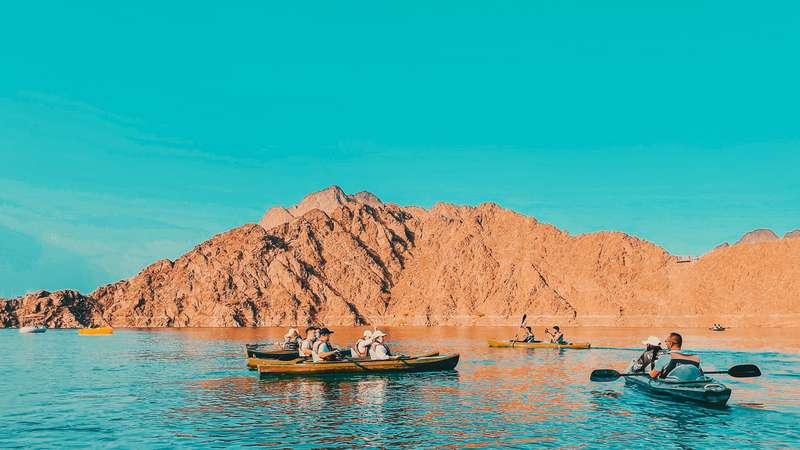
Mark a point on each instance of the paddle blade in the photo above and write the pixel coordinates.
(604, 375)
(524, 318)
(744, 371)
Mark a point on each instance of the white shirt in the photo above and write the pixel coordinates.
(378, 351)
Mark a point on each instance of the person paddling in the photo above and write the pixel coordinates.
(556, 336)
(363, 345)
(307, 345)
(528, 337)
(325, 350)
(675, 358)
(378, 350)
(648, 358)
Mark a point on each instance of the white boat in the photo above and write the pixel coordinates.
(33, 329)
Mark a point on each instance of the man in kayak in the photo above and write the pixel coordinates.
(378, 349)
(363, 345)
(674, 358)
(556, 336)
(648, 358)
(325, 350)
(307, 345)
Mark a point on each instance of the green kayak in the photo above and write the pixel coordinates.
(702, 389)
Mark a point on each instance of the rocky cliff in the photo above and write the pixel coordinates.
(343, 259)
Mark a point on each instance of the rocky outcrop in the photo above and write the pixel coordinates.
(759, 235)
(794, 234)
(341, 259)
(61, 309)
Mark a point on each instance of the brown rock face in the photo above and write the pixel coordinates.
(61, 309)
(341, 259)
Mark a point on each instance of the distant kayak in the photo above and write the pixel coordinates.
(413, 364)
(30, 329)
(514, 344)
(93, 331)
(717, 329)
(703, 389)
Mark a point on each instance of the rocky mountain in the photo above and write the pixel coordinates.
(794, 234)
(342, 259)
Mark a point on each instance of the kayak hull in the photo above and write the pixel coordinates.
(707, 392)
(416, 364)
(510, 344)
(281, 355)
(253, 363)
(96, 331)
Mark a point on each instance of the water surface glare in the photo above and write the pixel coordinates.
(189, 388)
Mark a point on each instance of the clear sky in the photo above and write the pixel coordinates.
(132, 133)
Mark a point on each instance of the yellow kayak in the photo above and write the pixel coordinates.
(92, 331)
(514, 344)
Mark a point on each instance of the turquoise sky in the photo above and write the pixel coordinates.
(129, 134)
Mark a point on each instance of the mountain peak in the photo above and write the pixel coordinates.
(758, 235)
(326, 200)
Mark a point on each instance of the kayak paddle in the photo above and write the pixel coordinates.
(740, 371)
(521, 324)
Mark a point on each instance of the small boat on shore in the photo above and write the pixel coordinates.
(32, 329)
(95, 331)
(412, 364)
(517, 344)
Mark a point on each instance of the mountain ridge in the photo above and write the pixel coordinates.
(342, 259)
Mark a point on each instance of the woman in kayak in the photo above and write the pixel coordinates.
(675, 358)
(291, 340)
(363, 345)
(651, 353)
(556, 336)
(379, 350)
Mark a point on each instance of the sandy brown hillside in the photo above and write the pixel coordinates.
(343, 259)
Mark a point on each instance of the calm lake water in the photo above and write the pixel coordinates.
(189, 388)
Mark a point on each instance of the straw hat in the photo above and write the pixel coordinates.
(652, 340)
(291, 333)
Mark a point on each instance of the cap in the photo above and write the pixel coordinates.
(323, 331)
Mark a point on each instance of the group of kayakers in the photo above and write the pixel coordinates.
(660, 359)
(317, 345)
(555, 336)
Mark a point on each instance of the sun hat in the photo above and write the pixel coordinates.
(368, 334)
(292, 332)
(378, 333)
(652, 340)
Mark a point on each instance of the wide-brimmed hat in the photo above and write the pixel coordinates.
(368, 334)
(378, 333)
(652, 340)
(292, 332)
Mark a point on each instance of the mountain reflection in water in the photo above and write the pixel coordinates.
(189, 388)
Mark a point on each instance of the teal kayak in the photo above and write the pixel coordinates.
(702, 389)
